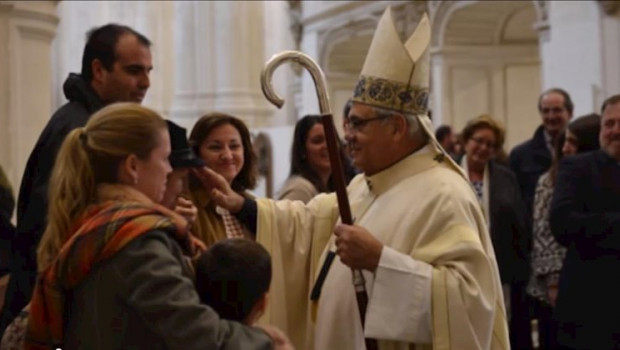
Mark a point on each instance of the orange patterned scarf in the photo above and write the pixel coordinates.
(104, 231)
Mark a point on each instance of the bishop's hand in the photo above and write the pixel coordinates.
(219, 189)
(357, 248)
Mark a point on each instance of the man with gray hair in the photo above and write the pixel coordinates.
(419, 237)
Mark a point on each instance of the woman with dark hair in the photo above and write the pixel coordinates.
(223, 142)
(310, 168)
(547, 254)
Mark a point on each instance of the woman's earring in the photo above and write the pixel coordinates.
(135, 180)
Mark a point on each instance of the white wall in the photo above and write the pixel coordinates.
(278, 37)
(148, 18)
(572, 56)
(503, 82)
(27, 29)
(610, 38)
(281, 140)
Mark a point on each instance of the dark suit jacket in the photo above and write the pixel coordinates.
(528, 161)
(508, 231)
(585, 217)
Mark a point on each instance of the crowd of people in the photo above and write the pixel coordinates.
(132, 235)
(532, 226)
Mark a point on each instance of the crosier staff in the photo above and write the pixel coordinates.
(334, 159)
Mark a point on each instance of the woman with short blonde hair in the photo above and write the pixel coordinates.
(498, 191)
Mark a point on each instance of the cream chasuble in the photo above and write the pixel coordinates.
(436, 287)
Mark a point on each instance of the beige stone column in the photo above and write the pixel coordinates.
(220, 52)
(27, 29)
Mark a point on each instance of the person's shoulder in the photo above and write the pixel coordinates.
(583, 158)
(298, 181)
(297, 187)
(449, 194)
(69, 116)
(522, 149)
(500, 169)
(444, 181)
(72, 112)
(157, 241)
(583, 165)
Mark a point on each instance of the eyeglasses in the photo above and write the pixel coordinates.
(357, 124)
(480, 142)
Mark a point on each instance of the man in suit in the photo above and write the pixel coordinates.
(115, 68)
(528, 161)
(585, 218)
(532, 158)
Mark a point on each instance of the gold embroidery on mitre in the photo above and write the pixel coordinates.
(395, 75)
(391, 94)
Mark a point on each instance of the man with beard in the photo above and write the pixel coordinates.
(585, 218)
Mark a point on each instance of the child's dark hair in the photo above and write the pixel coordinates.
(232, 275)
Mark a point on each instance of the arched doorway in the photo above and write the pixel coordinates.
(486, 60)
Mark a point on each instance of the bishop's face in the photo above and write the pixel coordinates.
(368, 138)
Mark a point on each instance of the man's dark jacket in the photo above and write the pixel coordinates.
(32, 200)
(528, 161)
(585, 218)
(508, 230)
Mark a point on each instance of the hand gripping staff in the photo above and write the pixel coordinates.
(334, 159)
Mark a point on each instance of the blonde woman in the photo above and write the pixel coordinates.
(498, 191)
(114, 271)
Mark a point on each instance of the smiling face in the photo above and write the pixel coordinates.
(609, 135)
(222, 151)
(480, 147)
(554, 114)
(316, 149)
(369, 139)
(152, 172)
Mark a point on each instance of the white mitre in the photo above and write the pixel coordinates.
(396, 76)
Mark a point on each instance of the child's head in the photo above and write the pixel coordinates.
(233, 277)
